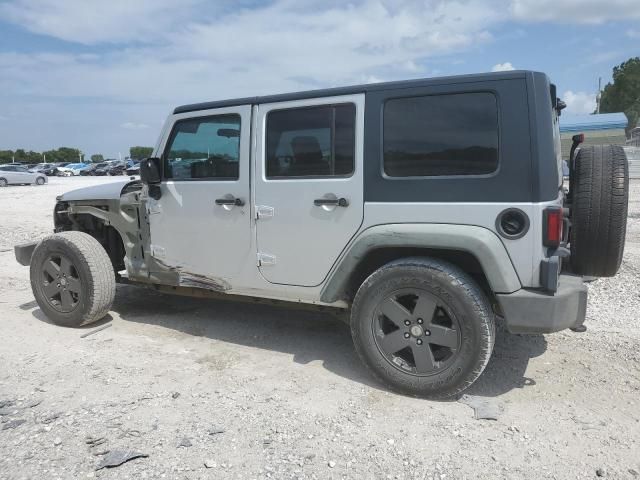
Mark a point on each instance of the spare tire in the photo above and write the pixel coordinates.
(599, 196)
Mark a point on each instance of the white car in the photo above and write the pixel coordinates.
(71, 169)
(17, 174)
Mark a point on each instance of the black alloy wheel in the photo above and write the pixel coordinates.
(416, 332)
(60, 283)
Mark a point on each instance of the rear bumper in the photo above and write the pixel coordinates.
(24, 252)
(535, 311)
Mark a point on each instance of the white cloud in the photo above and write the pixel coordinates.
(143, 57)
(91, 22)
(156, 54)
(579, 103)
(633, 33)
(575, 11)
(276, 48)
(502, 67)
(134, 126)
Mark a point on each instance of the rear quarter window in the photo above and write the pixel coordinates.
(441, 135)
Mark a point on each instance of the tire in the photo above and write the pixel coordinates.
(40, 181)
(72, 279)
(3, 182)
(456, 335)
(599, 210)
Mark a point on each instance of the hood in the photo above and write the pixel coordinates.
(106, 191)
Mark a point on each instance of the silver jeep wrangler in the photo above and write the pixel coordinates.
(424, 209)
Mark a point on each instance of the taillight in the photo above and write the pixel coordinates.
(552, 227)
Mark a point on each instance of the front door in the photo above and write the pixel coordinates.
(202, 223)
(308, 193)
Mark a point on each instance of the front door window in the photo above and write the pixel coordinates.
(204, 148)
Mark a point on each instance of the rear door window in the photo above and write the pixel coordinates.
(311, 142)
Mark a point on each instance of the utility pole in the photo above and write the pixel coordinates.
(44, 157)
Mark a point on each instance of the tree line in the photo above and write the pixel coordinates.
(623, 94)
(65, 154)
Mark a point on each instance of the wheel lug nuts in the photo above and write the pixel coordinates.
(420, 321)
(407, 322)
(427, 333)
(419, 342)
(406, 335)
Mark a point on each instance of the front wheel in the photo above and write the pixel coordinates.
(40, 181)
(72, 279)
(423, 327)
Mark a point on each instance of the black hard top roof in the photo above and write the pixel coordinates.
(327, 92)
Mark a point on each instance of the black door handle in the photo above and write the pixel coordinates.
(238, 202)
(340, 202)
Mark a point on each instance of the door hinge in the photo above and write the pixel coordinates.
(157, 251)
(266, 259)
(264, 211)
(154, 207)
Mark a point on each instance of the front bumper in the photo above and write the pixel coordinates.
(536, 311)
(24, 252)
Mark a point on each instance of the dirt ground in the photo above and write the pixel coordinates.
(262, 392)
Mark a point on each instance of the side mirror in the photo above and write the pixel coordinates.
(150, 171)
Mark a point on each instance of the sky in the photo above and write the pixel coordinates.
(103, 75)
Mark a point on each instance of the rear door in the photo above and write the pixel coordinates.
(202, 223)
(19, 174)
(309, 193)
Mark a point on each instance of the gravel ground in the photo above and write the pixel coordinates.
(227, 390)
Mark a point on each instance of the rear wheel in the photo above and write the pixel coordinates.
(423, 327)
(72, 279)
(599, 194)
(3, 182)
(40, 181)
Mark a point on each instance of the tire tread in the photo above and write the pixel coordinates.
(599, 211)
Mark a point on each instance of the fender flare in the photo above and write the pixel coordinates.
(125, 225)
(480, 242)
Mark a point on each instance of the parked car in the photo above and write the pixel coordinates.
(18, 175)
(420, 218)
(104, 168)
(133, 169)
(91, 169)
(48, 169)
(119, 168)
(72, 169)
